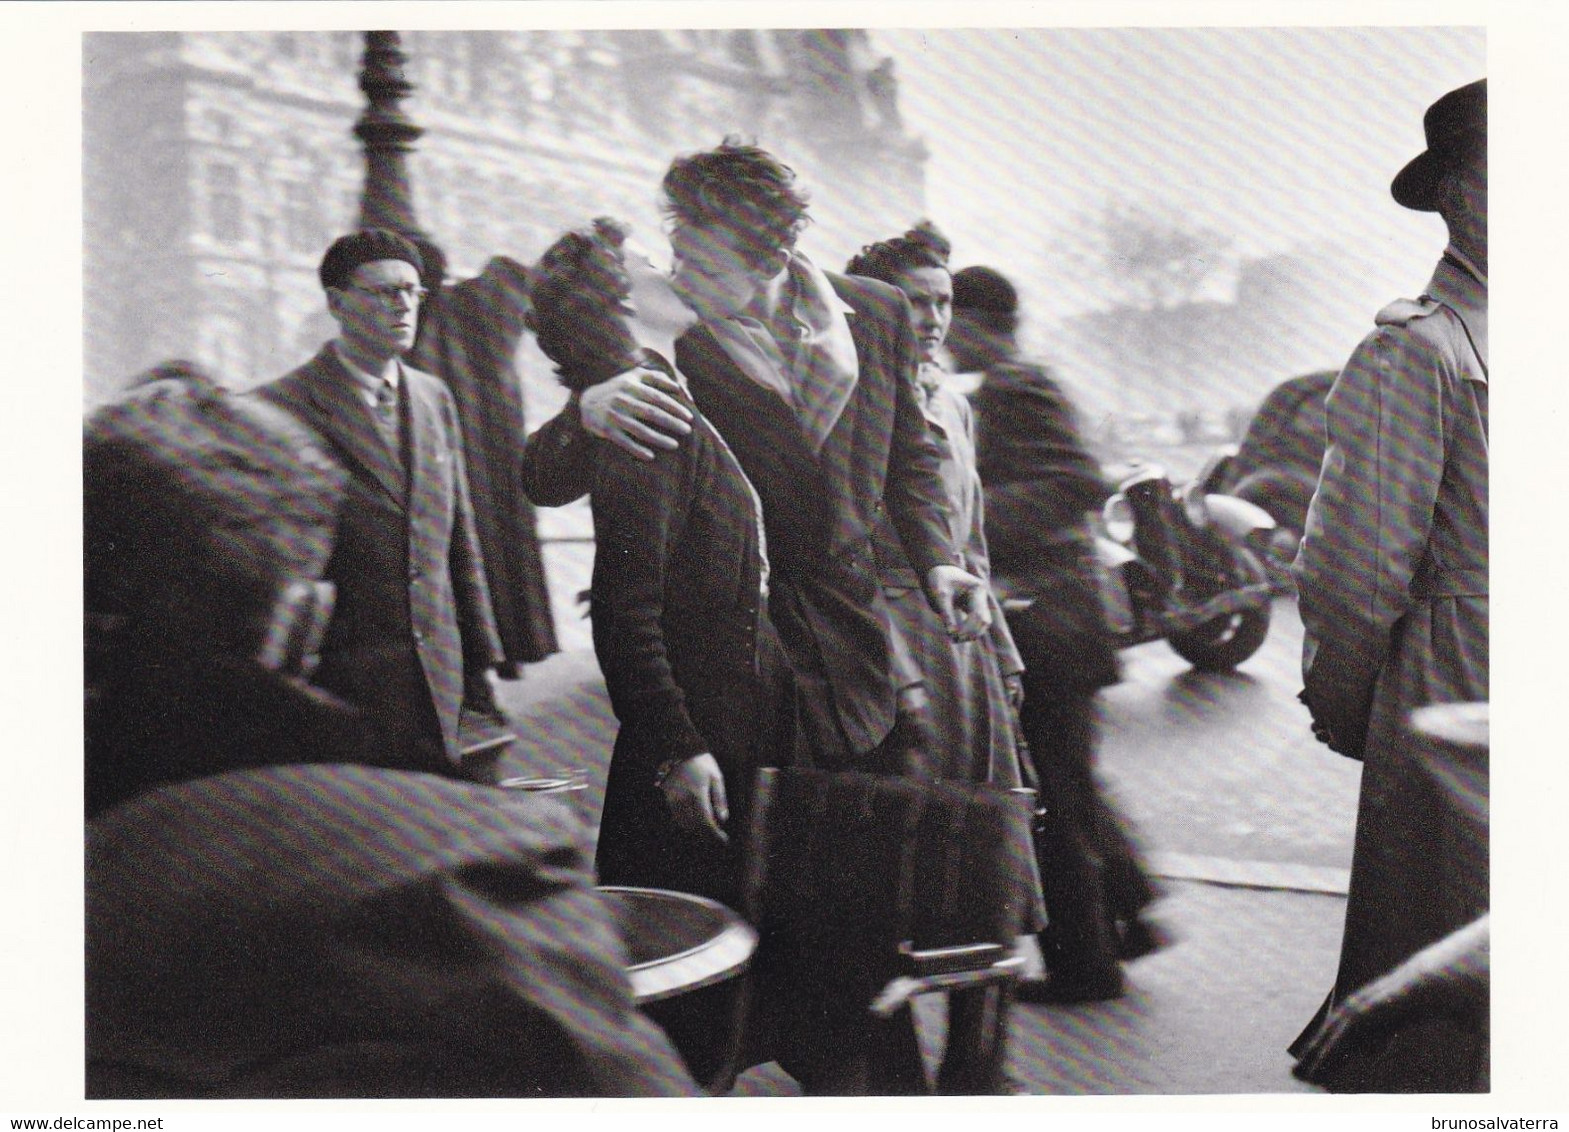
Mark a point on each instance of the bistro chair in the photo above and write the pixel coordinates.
(876, 889)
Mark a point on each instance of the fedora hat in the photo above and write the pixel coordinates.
(1455, 126)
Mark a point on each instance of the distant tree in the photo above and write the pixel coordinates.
(1155, 258)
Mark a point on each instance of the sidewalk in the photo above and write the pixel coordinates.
(1212, 1013)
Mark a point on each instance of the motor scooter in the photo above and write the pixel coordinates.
(1182, 563)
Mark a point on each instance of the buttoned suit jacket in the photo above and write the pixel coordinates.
(878, 469)
(412, 614)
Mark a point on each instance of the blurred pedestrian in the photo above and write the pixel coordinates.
(1039, 482)
(695, 670)
(265, 916)
(1393, 577)
(411, 642)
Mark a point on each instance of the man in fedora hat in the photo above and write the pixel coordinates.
(1393, 581)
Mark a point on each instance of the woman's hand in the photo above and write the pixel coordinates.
(695, 792)
(945, 586)
(639, 405)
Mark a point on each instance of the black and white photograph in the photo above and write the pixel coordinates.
(860, 551)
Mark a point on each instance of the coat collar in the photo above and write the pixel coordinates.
(342, 414)
(1460, 286)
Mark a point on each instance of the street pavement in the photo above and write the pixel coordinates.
(1244, 818)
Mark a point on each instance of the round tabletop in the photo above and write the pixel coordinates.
(678, 942)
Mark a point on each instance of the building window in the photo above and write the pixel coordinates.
(301, 222)
(225, 212)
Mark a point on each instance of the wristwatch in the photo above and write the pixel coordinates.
(664, 770)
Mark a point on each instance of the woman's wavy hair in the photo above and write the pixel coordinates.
(578, 305)
(921, 246)
(743, 189)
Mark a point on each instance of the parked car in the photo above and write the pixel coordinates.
(1277, 463)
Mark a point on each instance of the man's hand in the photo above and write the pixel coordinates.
(695, 792)
(945, 585)
(1014, 683)
(634, 410)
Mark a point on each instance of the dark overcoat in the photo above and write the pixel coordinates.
(1040, 479)
(469, 333)
(412, 614)
(691, 663)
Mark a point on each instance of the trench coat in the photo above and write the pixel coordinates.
(349, 931)
(1393, 578)
(967, 699)
(412, 617)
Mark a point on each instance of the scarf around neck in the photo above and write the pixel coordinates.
(817, 372)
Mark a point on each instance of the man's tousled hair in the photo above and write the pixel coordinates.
(743, 189)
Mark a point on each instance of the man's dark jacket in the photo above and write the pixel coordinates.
(878, 469)
(412, 614)
(1039, 480)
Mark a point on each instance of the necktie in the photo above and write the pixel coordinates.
(387, 417)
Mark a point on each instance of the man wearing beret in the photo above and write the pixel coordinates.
(265, 916)
(412, 640)
(1393, 578)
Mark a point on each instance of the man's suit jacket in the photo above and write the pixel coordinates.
(879, 468)
(413, 611)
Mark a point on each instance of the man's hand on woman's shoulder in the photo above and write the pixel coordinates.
(638, 411)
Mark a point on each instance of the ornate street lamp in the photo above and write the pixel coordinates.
(469, 332)
(388, 135)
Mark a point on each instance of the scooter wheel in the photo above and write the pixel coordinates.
(1222, 644)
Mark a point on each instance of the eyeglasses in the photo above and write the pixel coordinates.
(390, 296)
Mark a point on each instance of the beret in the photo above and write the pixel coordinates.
(983, 289)
(366, 246)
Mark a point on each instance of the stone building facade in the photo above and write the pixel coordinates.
(217, 166)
